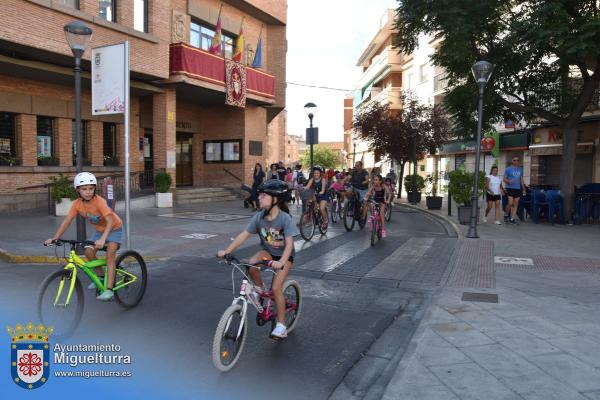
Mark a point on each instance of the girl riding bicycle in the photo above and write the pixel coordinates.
(380, 194)
(276, 230)
(108, 227)
(319, 183)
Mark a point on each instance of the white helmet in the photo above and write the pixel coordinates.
(84, 178)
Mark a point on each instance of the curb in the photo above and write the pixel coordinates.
(445, 219)
(37, 259)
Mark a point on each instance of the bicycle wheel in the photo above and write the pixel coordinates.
(388, 212)
(340, 209)
(320, 221)
(334, 210)
(307, 224)
(51, 307)
(373, 224)
(293, 305)
(349, 216)
(379, 230)
(361, 221)
(229, 340)
(130, 266)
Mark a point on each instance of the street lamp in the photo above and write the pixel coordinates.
(415, 123)
(78, 36)
(310, 109)
(482, 71)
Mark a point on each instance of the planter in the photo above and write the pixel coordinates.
(62, 208)
(164, 200)
(464, 214)
(47, 162)
(414, 197)
(434, 202)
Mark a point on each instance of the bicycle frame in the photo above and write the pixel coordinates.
(74, 261)
(375, 214)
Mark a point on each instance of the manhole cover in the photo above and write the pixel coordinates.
(199, 236)
(480, 297)
(206, 216)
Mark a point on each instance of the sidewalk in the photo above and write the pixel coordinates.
(540, 340)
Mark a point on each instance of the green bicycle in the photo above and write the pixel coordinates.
(60, 298)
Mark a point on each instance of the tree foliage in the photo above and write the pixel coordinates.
(546, 55)
(322, 156)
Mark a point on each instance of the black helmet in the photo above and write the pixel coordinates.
(318, 168)
(275, 187)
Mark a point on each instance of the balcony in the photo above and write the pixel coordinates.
(385, 96)
(440, 82)
(388, 60)
(203, 66)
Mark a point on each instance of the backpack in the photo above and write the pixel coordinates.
(299, 176)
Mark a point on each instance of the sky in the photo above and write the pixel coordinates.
(325, 39)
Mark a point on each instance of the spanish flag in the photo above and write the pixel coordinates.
(216, 44)
(239, 44)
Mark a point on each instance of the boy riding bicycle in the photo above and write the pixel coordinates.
(276, 230)
(108, 228)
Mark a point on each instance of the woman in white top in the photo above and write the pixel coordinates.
(493, 194)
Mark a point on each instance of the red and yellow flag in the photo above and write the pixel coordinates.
(239, 45)
(216, 44)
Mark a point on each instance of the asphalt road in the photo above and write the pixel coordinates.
(352, 292)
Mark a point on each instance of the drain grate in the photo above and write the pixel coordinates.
(480, 297)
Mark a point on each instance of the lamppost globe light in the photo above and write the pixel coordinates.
(415, 123)
(78, 36)
(310, 109)
(482, 71)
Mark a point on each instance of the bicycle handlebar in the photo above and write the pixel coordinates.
(73, 243)
(261, 265)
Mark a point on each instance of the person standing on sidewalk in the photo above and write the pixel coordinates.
(272, 174)
(258, 178)
(513, 180)
(493, 194)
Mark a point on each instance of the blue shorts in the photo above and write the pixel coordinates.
(321, 197)
(361, 193)
(115, 236)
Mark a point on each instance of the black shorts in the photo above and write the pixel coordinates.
(515, 193)
(277, 258)
(492, 197)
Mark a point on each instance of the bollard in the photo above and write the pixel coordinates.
(449, 204)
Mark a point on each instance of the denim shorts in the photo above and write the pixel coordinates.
(115, 236)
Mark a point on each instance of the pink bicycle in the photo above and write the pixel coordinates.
(232, 329)
(375, 221)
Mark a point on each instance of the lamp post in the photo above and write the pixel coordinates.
(482, 71)
(310, 109)
(78, 36)
(414, 124)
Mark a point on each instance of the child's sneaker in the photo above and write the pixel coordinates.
(279, 332)
(484, 219)
(383, 234)
(107, 295)
(498, 222)
(92, 286)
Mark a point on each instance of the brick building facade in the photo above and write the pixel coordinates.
(178, 120)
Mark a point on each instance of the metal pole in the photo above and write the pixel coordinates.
(353, 155)
(312, 139)
(475, 195)
(127, 177)
(414, 162)
(81, 233)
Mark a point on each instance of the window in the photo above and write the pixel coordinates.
(223, 151)
(255, 148)
(68, 3)
(45, 141)
(459, 161)
(410, 81)
(140, 15)
(422, 168)
(84, 143)
(8, 145)
(108, 10)
(423, 73)
(109, 147)
(202, 36)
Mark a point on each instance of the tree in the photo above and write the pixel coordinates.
(389, 132)
(546, 55)
(322, 156)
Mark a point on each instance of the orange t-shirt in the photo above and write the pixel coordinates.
(95, 212)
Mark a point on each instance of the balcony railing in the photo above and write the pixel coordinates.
(204, 66)
(440, 82)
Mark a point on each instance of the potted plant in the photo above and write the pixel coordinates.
(63, 193)
(162, 184)
(47, 161)
(434, 202)
(460, 186)
(414, 197)
(8, 161)
(111, 161)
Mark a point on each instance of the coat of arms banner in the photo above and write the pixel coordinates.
(235, 84)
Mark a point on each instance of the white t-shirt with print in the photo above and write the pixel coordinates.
(494, 186)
